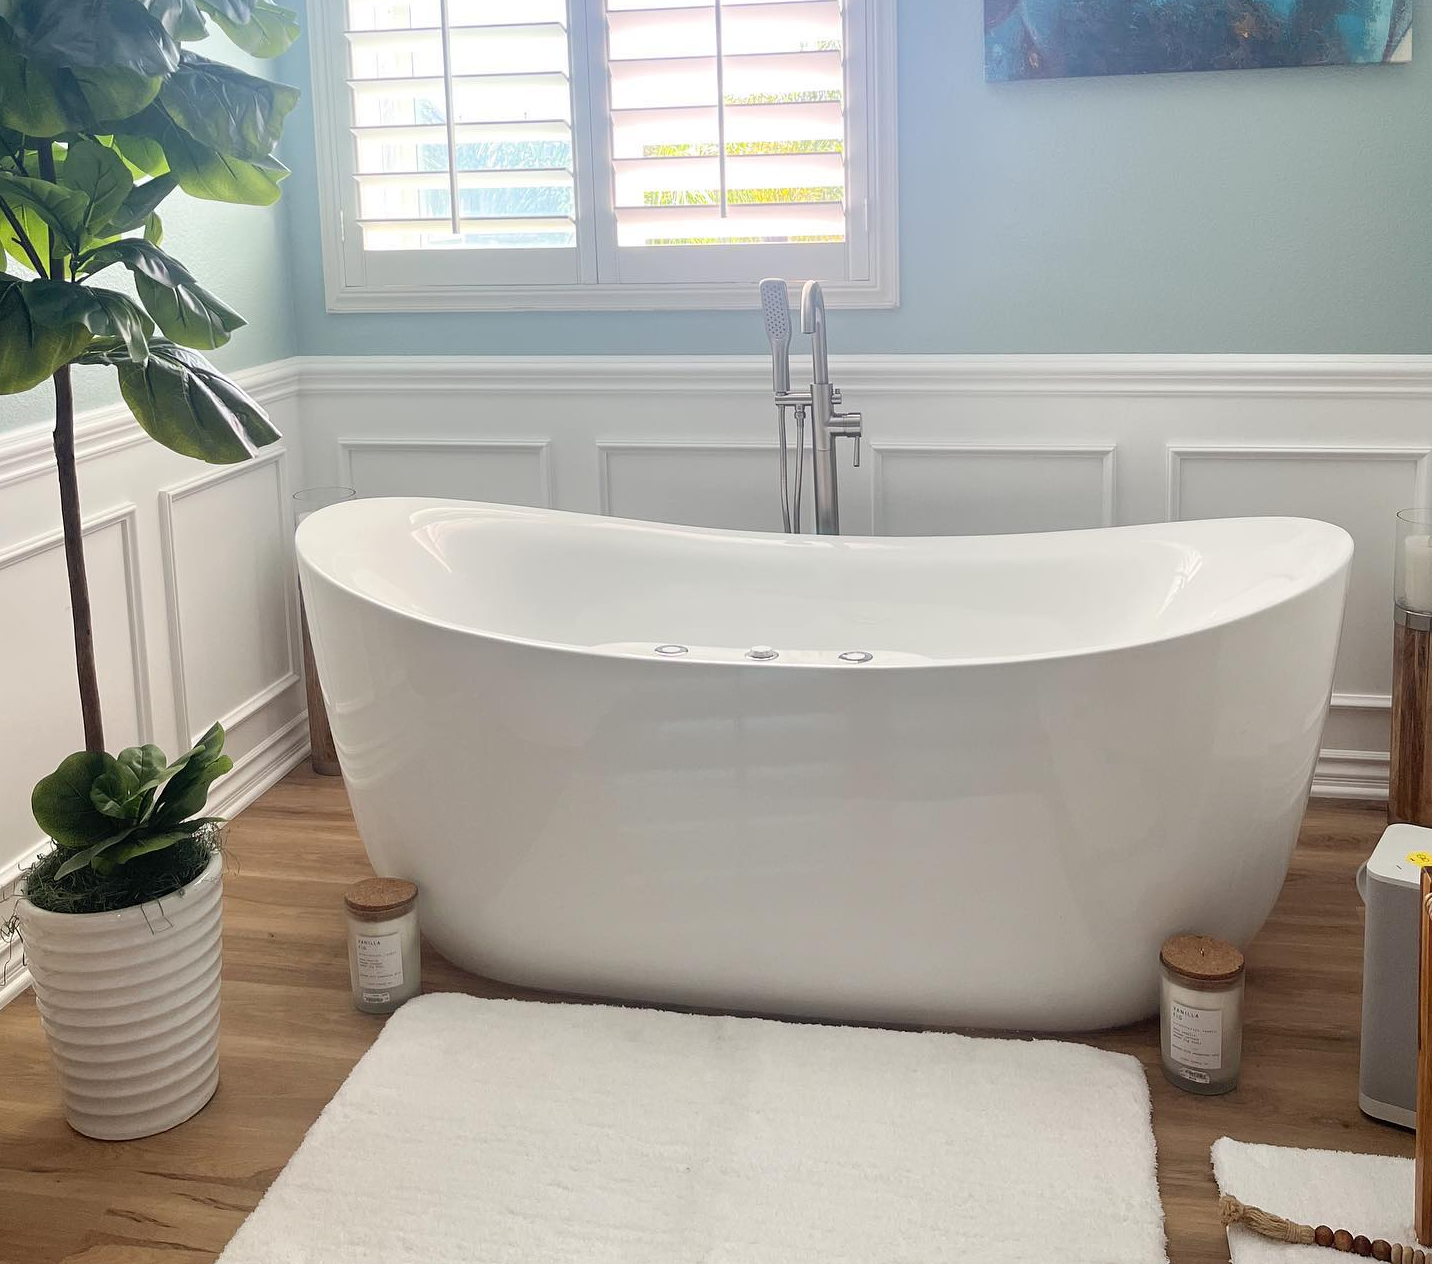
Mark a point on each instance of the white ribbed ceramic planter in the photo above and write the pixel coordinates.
(130, 1006)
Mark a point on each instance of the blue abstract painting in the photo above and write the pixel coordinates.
(1051, 39)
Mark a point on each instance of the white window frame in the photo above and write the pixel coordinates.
(359, 281)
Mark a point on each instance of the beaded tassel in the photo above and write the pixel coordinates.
(1280, 1230)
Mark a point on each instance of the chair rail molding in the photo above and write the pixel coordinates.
(1199, 376)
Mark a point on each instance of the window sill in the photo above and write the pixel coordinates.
(592, 298)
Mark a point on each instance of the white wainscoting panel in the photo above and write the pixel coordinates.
(1359, 488)
(512, 473)
(218, 579)
(732, 485)
(983, 489)
(213, 545)
(42, 710)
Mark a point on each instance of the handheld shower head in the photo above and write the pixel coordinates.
(776, 306)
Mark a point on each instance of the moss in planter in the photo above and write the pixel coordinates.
(141, 880)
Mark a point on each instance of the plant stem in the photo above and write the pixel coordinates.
(70, 515)
(75, 560)
(24, 241)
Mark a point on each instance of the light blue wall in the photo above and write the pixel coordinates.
(1256, 211)
(239, 253)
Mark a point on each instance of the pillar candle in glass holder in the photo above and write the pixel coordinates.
(1201, 1013)
(384, 951)
(1412, 578)
(1417, 571)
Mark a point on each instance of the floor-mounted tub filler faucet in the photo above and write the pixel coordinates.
(819, 403)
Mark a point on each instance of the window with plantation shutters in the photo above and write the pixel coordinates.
(604, 153)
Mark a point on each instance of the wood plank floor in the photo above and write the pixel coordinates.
(290, 1036)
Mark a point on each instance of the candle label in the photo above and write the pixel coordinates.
(1195, 1036)
(380, 961)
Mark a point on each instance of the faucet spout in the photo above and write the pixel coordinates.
(813, 323)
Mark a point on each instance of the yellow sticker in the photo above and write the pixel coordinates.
(1419, 858)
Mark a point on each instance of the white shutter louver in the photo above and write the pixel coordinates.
(462, 123)
(727, 121)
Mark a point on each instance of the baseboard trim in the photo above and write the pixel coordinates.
(1344, 774)
(255, 772)
(263, 767)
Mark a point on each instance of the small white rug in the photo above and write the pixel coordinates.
(1362, 1193)
(510, 1132)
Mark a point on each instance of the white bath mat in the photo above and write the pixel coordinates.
(509, 1132)
(1362, 1193)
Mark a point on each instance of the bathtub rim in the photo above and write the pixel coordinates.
(1339, 566)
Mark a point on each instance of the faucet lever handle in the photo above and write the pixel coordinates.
(857, 450)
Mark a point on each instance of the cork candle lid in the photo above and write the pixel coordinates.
(1201, 957)
(380, 899)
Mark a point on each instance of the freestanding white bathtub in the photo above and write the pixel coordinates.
(1064, 748)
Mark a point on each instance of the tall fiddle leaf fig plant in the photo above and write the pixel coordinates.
(105, 111)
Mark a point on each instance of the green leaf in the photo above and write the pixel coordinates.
(236, 11)
(188, 313)
(32, 349)
(144, 154)
(139, 204)
(142, 846)
(104, 313)
(205, 173)
(181, 18)
(29, 100)
(270, 31)
(61, 802)
(84, 859)
(186, 404)
(154, 229)
(110, 94)
(99, 175)
(182, 308)
(188, 789)
(148, 764)
(116, 793)
(231, 112)
(114, 315)
(62, 209)
(35, 229)
(107, 34)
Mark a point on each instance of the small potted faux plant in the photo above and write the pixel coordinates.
(121, 925)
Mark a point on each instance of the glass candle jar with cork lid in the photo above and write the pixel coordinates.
(1201, 1013)
(384, 950)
